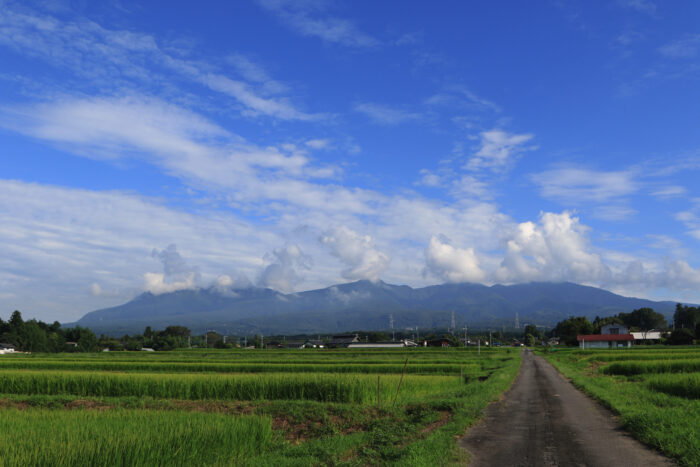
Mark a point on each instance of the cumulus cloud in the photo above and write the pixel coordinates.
(176, 275)
(452, 264)
(357, 252)
(554, 249)
(282, 274)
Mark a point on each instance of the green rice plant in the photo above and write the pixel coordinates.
(687, 386)
(128, 438)
(320, 387)
(653, 366)
(225, 367)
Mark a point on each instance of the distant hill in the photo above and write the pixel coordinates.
(362, 305)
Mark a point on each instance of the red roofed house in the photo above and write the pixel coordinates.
(613, 335)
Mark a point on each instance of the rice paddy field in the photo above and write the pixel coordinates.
(246, 407)
(655, 390)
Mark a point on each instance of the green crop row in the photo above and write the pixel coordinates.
(319, 387)
(245, 367)
(652, 366)
(128, 438)
(687, 386)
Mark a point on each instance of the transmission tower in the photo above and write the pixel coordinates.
(452, 328)
(517, 321)
(391, 326)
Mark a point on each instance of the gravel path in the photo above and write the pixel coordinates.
(544, 420)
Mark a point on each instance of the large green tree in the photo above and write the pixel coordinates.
(686, 317)
(568, 329)
(644, 319)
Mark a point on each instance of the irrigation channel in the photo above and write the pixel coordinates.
(543, 420)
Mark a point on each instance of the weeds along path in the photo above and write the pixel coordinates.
(543, 420)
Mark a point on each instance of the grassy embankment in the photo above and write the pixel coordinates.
(655, 390)
(245, 407)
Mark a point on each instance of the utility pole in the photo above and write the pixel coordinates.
(391, 326)
(245, 341)
(452, 329)
(517, 321)
(490, 340)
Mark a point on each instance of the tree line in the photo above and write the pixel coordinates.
(37, 336)
(684, 328)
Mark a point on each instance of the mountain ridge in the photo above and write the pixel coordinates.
(362, 305)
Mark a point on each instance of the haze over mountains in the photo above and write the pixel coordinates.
(362, 305)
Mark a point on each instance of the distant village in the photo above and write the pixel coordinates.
(639, 327)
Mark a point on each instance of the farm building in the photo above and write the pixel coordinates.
(382, 345)
(648, 337)
(441, 342)
(7, 348)
(614, 329)
(604, 341)
(295, 345)
(314, 344)
(343, 340)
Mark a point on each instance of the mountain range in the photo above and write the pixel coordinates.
(362, 305)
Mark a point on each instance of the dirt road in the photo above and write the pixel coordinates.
(544, 421)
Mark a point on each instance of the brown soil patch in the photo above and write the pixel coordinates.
(445, 417)
(8, 404)
(87, 404)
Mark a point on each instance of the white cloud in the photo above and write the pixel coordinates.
(357, 252)
(452, 264)
(671, 191)
(644, 6)
(497, 150)
(186, 145)
(555, 249)
(67, 251)
(386, 115)
(310, 18)
(282, 273)
(118, 58)
(176, 275)
(688, 47)
(577, 185)
(256, 104)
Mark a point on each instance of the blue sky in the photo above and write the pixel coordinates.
(298, 144)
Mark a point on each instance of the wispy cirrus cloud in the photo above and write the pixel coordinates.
(687, 47)
(311, 18)
(642, 6)
(116, 58)
(577, 185)
(386, 115)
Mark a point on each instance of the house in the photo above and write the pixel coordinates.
(604, 341)
(6, 348)
(343, 340)
(614, 329)
(553, 341)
